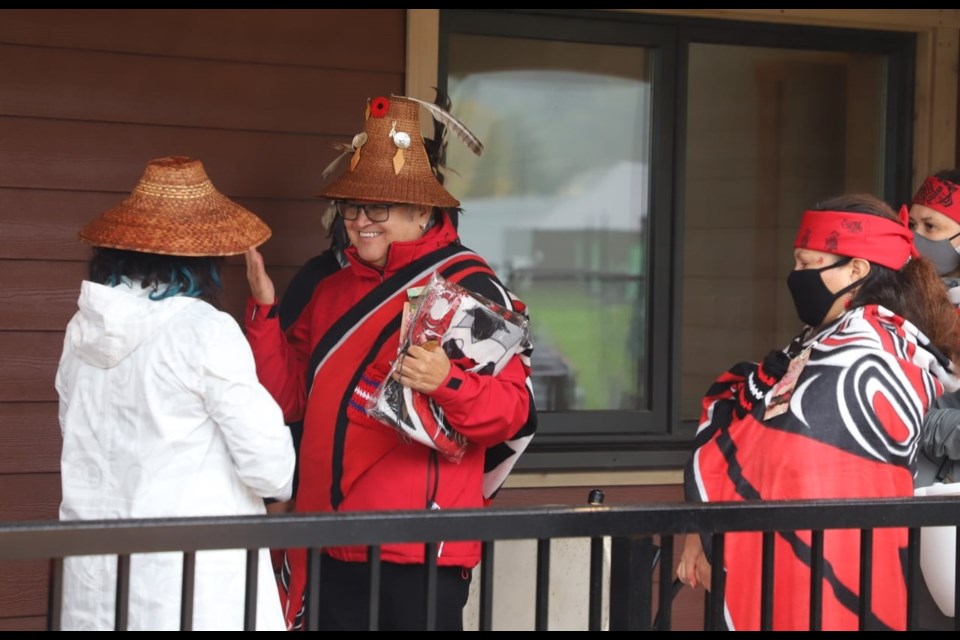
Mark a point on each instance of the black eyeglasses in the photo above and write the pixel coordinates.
(375, 212)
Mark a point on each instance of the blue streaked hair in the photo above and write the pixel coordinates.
(166, 276)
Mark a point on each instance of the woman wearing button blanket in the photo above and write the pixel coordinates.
(837, 414)
(324, 367)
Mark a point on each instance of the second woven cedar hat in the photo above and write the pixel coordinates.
(389, 162)
(176, 210)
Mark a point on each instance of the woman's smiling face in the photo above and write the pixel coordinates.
(376, 225)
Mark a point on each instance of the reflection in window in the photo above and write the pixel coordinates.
(770, 132)
(558, 203)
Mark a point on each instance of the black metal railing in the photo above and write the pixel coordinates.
(640, 534)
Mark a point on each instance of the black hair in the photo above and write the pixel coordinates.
(950, 175)
(196, 277)
(914, 292)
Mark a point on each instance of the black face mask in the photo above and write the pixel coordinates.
(811, 297)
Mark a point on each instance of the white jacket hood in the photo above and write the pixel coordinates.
(113, 321)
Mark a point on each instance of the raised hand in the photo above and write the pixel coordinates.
(261, 286)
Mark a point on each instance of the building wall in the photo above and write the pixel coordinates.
(89, 96)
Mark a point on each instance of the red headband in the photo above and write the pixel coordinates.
(940, 195)
(858, 235)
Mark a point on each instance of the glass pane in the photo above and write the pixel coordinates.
(558, 203)
(770, 132)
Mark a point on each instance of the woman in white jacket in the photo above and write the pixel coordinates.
(160, 408)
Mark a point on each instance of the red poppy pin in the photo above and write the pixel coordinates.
(379, 107)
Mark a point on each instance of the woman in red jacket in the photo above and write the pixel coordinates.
(325, 366)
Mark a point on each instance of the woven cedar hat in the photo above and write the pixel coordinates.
(389, 162)
(176, 210)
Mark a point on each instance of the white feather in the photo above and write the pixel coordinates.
(333, 165)
(465, 135)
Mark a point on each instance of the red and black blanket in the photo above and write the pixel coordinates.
(847, 427)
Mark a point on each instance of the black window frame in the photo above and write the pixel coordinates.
(657, 438)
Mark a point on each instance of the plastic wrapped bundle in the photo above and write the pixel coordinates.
(477, 334)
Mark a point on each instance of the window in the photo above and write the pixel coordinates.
(769, 133)
(559, 204)
(640, 186)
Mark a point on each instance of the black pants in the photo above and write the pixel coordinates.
(345, 596)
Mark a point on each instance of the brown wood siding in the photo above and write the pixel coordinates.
(23, 591)
(125, 88)
(37, 623)
(89, 96)
(45, 223)
(97, 156)
(29, 496)
(28, 364)
(29, 438)
(359, 39)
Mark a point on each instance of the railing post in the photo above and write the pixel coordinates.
(866, 577)
(187, 588)
(766, 580)
(486, 586)
(55, 597)
(373, 560)
(596, 570)
(250, 590)
(669, 586)
(121, 617)
(542, 612)
(312, 596)
(956, 583)
(716, 596)
(913, 577)
(816, 580)
(431, 550)
(631, 577)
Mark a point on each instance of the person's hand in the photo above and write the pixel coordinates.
(423, 369)
(281, 507)
(760, 381)
(261, 286)
(694, 568)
